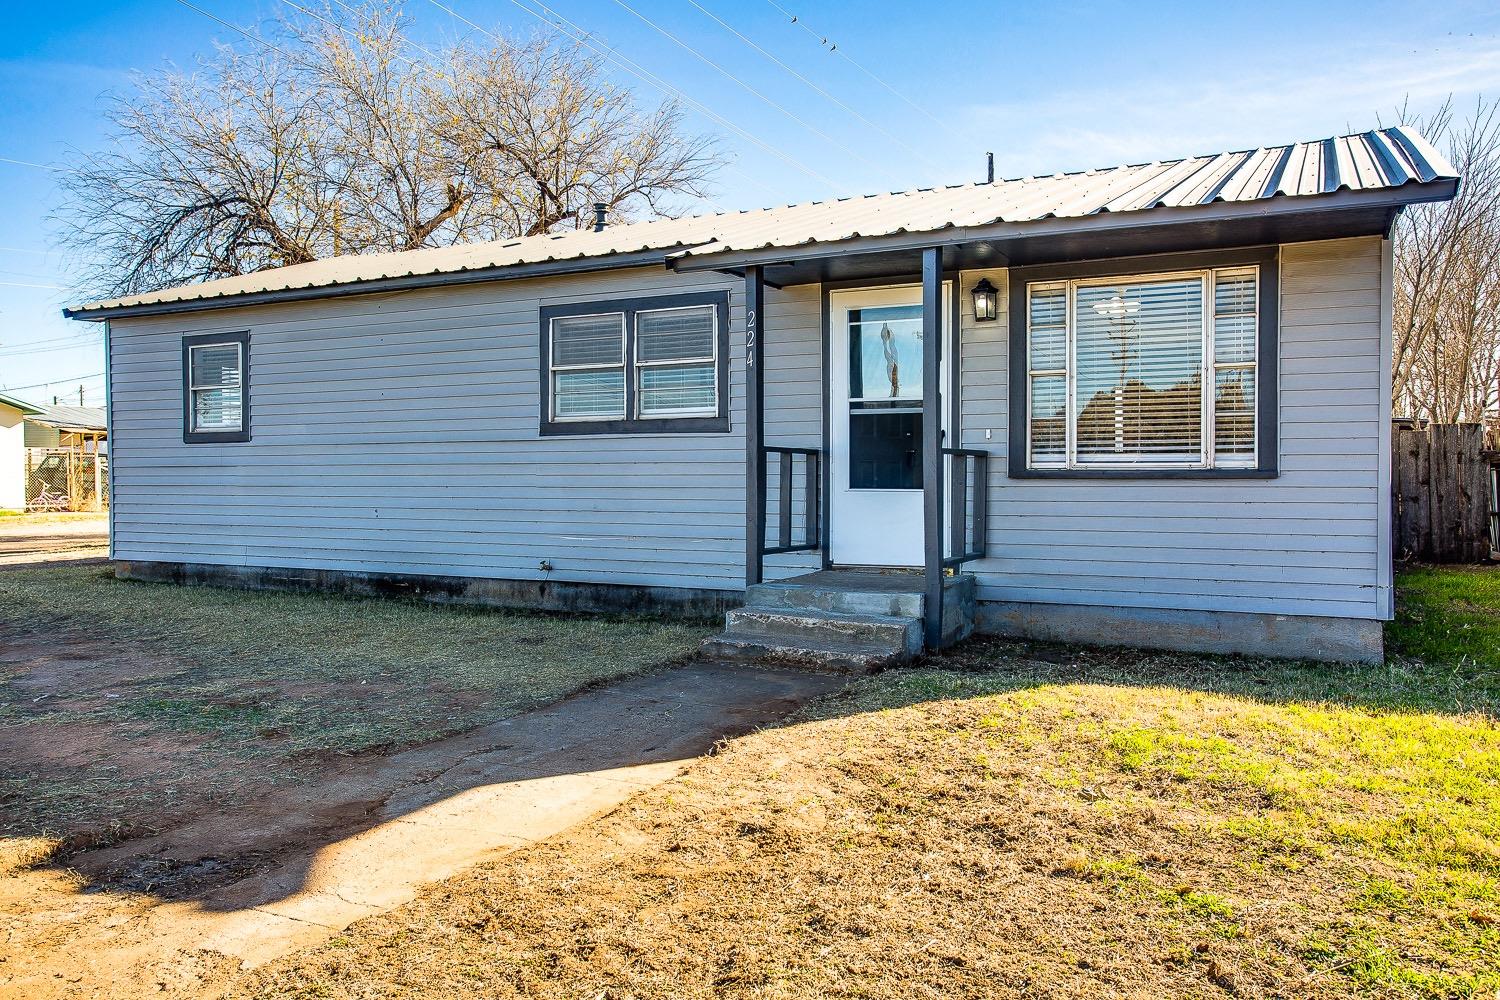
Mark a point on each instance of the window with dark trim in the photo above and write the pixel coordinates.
(1147, 368)
(636, 366)
(216, 388)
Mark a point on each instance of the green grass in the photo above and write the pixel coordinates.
(1449, 615)
(253, 682)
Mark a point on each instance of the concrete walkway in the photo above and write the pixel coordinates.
(419, 818)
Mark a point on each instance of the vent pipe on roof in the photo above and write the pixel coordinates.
(599, 221)
(989, 168)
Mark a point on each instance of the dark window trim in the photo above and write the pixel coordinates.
(1267, 357)
(190, 436)
(636, 425)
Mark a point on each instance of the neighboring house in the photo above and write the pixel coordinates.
(66, 461)
(1147, 404)
(80, 428)
(13, 413)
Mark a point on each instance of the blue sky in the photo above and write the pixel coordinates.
(1046, 86)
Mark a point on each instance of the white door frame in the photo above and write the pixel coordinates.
(876, 527)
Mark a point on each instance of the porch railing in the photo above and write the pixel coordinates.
(968, 504)
(786, 495)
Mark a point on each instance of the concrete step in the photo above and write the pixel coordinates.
(837, 599)
(789, 626)
(858, 620)
(842, 655)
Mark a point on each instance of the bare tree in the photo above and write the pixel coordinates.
(1446, 331)
(341, 136)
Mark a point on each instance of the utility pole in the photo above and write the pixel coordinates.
(80, 395)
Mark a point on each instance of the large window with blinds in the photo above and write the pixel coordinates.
(1144, 372)
(216, 387)
(646, 365)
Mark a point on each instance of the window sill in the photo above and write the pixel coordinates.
(1143, 473)
(213, 437)
(663, 425)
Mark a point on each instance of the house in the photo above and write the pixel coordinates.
(13, 414)
(66, 464)
(79, 428)
(1146, 404)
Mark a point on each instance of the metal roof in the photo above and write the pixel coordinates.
(1395, 160)
(82, 418)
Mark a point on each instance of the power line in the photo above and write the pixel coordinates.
(640, 72)
(833, 47)
(22, 352)
(339, 27)
(28, 274)
(56, 381)
(28, 163)
(408, 41)
(646, 76)
(29, 284)
(234, 27)
(771, 56)
(745, 86)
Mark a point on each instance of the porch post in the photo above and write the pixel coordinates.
(932, 443)
(755, 458)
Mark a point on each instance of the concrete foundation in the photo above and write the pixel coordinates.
(1297, 637)
(539, 595)
(1303, 637)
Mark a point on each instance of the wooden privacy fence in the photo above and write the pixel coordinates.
(1441, 482)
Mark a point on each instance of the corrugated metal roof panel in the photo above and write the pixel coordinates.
(1368, 161)
(89, 418)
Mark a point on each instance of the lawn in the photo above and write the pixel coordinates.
(1022, 820)
(126, 706)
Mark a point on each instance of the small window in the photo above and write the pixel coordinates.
(588, 367)
(1145, 373)
(638, 366)
(674, 362)
(216, 404)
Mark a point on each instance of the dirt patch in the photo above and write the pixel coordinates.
(286, 866)
(128, 707)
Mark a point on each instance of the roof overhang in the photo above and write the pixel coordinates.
(1123, 234)
(403, 283)
(17, 404)
(67, 428)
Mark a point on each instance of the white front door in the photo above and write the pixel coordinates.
(875, 424)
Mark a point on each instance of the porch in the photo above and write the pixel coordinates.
(891, 511)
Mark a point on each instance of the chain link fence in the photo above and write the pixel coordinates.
(66, 479)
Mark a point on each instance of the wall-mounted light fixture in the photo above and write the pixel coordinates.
(986, 301)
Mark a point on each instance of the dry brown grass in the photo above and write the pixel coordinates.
(127, 707)
(1075, 825)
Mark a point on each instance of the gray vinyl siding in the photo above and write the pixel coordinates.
(1306, 542)
(399, 433)
(793, 349)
